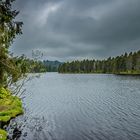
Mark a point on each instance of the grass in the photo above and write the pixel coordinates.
(10, 107)
(3, 134)
(129, 73)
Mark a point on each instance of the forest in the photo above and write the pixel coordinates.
(124, 64)
(51, 66)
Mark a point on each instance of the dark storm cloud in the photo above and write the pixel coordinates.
(79, 28)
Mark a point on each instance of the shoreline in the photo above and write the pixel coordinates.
(10, 107)
(123, 74)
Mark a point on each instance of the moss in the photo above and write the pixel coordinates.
(4, 93)
(3, 135)
(129, 73)
(10, 106)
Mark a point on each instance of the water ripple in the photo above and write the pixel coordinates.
(82, 107)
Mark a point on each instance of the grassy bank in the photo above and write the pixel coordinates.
(129, 73)
(10, 107)
(116, 73)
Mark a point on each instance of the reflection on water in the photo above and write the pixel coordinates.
(81, 107)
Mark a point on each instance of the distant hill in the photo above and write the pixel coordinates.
(52, 66)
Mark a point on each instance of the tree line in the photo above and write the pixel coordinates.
(30, 65)
(124, 64)
(52, 66)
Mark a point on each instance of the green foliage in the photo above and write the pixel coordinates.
(10, 69)
(52, 66)
(3, 135)
(124, 64)
(30, 66)
(9, 28)
(10, 106)
(3, 93)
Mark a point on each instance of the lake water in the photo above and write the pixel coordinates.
(81, 107)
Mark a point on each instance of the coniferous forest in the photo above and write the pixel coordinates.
(124, 64)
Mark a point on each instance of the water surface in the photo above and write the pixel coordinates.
(82, 107)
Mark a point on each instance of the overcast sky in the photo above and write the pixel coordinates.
(77, 29)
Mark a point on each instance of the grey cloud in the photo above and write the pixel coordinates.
(79, 28)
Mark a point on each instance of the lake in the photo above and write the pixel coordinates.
(81, 107)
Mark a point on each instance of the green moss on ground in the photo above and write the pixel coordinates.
(128, 73)
(10, 107)
(3, 135)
